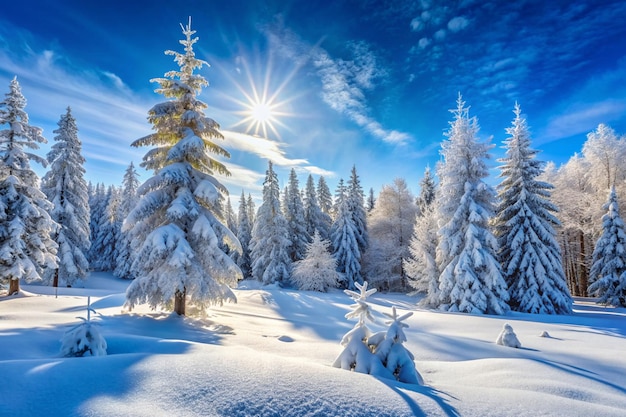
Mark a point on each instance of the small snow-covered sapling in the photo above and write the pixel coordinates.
(357, 354)
(508, 337)
(393, 354)
(84, 339)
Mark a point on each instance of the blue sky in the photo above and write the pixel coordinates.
(365, 83)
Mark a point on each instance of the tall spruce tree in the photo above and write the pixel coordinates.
(357, 208)
(111, 230)
(65, 186)
(26, 245)
(525, 226)
(428, 191)
(608, 271)
(244, 234)
(346, 246)
(421, 264)
(270, 236)
(178, 217)
(129, 199)
(295, 216)
(315, 218)
(324, 197)
(98, 199)
(371, 201)
(251, 209)
(471, 279)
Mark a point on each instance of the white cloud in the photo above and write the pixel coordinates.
(108, 116)
(263, 147)
(242, 178)
(416, 24)
(583, 119)
(423, 43)
(343, 80)
(270, 150)
(440, 34)
(458, 23)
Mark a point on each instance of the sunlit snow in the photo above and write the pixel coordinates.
(271, 355)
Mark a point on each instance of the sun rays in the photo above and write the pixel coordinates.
(262, 111)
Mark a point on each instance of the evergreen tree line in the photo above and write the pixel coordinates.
(466, 246)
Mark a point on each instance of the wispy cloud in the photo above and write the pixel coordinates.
(242, 178)
(345, 81)
(458, 23)
(270, 150)
(583, 120)
(108, 116)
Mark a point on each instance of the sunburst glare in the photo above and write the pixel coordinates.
(262, 111)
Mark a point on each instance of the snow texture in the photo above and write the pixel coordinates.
(237, 361)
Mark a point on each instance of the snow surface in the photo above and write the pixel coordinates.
(271, 355)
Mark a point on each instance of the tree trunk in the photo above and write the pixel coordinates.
(179, 302)
(14, 286)
(55, 281)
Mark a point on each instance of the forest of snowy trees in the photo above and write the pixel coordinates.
(540, 236)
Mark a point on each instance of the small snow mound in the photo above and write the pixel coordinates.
(545, 334)
(508, 337)
(286, 339)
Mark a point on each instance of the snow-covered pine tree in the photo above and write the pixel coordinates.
(525, 226)
(65, 187)
(270, 242)
(26, 246)
(357, 354)
(428, 191)
(178, 217)
(607, 276)
(318, 270)
(84, 339)
(315, 218)
(346, 246)
(390, 229)
(251, 210)
(110, 231)
(371, 201)
(231, 217)
(324, 197)
(421, 264)
(356, 204)
(98, 201)
(295, 216)
(244, 234)
(125, 247)
(341, 195)
(471, 279)
(393, 354)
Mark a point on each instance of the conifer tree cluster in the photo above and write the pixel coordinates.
(475, 252)
(464, 246)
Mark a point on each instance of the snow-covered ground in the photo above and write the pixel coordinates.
(270, 355)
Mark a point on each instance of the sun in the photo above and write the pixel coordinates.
(261, 116)
(262, 110)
